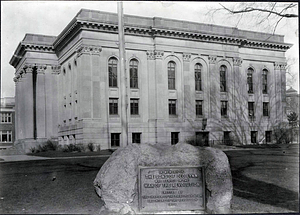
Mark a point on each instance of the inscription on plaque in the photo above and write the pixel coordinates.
(171, 188)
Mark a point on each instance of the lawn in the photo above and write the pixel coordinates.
(56, 154)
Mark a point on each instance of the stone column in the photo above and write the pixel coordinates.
(152, 109)
(17, 114)
(21, 105)
(28, 103)
(189, 104)
(54, 99)
(41, 102)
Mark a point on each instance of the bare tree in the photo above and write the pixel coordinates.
(267, 15)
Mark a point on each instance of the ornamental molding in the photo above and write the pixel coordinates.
(41, 68)
(158, 54)
(88, 49)
(280, 65)
(150, 55)
(56, 69)
(212, 59)
(237, 61)
(186, 57)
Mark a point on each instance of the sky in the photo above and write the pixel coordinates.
(51, 17)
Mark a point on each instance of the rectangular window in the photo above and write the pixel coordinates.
(174, 138)
(268, 136)
(6, 136)
(253, 136)
(199, 108)
(134, 106)
(113, 106)
(6, 118)
(172, 106)
(223, 108)
(251, 109)
(115, 139)
(265, 108)
(136, 137)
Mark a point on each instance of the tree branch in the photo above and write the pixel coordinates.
(251, 9)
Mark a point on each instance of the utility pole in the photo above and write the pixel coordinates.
(123, 78)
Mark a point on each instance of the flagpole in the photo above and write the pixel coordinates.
(123, 78)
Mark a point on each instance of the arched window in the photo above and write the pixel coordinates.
(223, 70)
(250, 80)
(113, 72)
(133, 69)
(171, 75)
(198, 69)
(265, 81)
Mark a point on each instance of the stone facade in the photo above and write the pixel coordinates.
(63, 83)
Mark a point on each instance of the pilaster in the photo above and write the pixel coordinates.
(188, 112)
(41, 102)
(214, 90)
(85, 55)
(152, 108)
(279, 67)
(238, 96)
(28, 118)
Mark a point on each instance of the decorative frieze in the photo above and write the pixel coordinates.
(186, 56)
(237, 61)
(212, 59)
(87, 49)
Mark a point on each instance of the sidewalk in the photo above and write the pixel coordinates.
(15, 158)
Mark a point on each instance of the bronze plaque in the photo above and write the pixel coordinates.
(171, 188)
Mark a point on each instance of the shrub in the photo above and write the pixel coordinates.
(33, 150)
(91, 147)
(73, 148)
(52, 145)
(98, 148)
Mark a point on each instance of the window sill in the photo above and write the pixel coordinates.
(173, 116)
(114, 116)
(135, 116)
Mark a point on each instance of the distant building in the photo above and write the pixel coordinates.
(7, 122)
(292, 101)
(184, 80)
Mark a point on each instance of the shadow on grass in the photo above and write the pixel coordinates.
(263, 192)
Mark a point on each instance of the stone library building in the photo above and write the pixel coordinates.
(184, 81)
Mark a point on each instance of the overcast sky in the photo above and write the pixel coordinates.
(51, 17)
